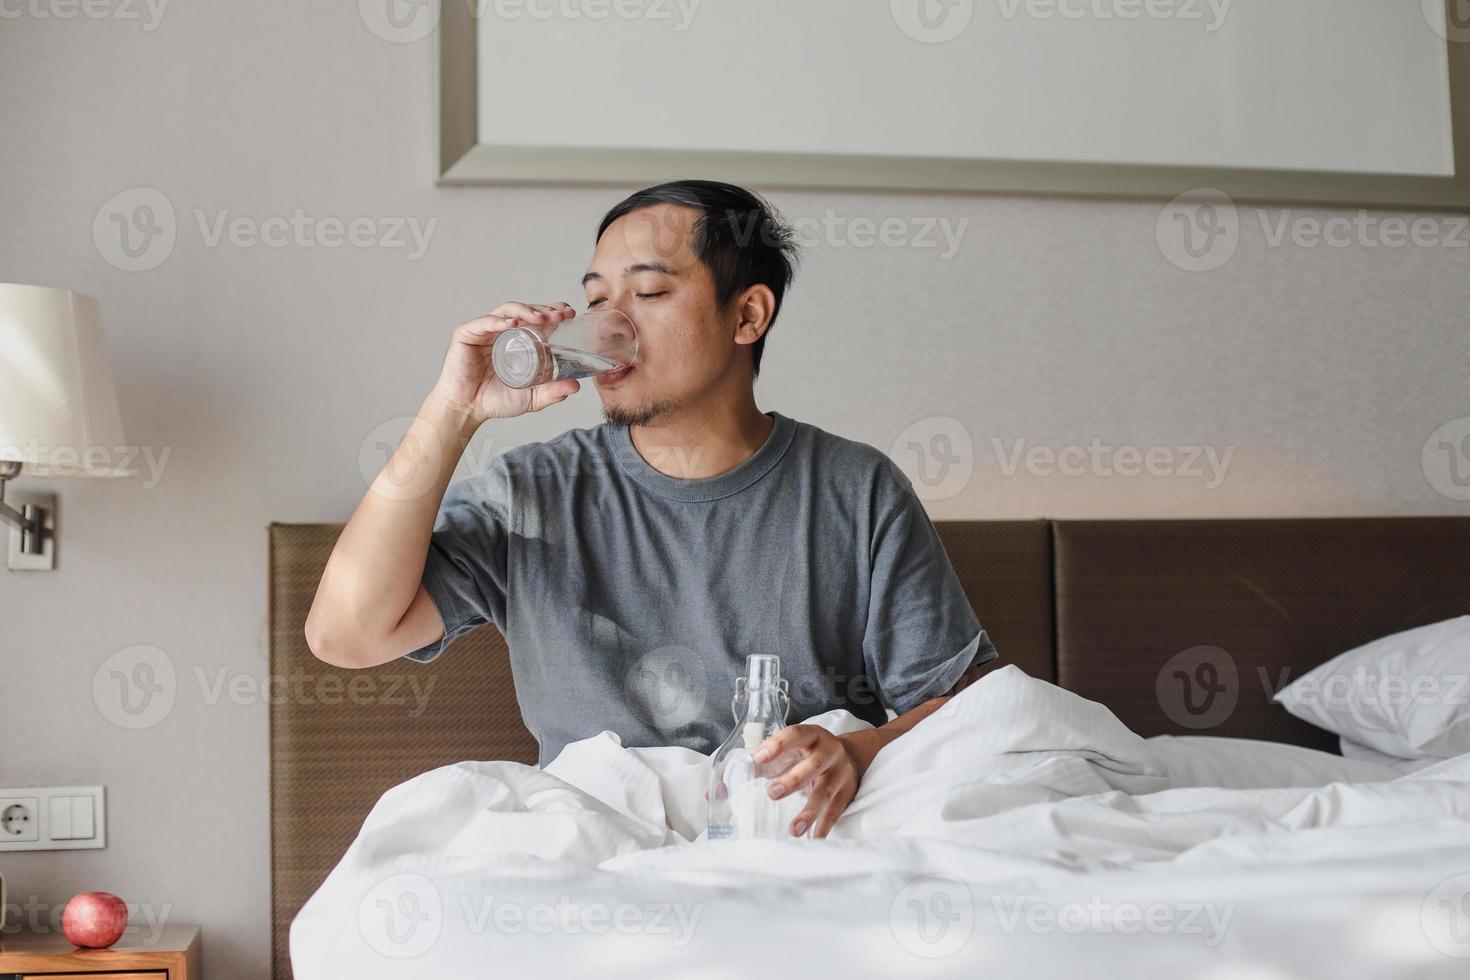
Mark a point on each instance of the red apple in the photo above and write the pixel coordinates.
(94, 919)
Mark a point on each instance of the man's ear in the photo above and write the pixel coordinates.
(754, 309)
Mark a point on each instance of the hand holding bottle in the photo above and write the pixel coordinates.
(826, 767)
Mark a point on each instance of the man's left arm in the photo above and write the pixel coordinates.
(919, 629)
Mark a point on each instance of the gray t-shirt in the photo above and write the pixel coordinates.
(630, 600)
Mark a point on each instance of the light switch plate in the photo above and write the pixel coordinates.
(17, 560)
(52, 834)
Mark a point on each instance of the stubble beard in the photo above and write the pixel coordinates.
(642, 415)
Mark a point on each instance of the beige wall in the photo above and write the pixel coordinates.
(262, 372)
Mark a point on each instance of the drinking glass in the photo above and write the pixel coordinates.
(588, 344)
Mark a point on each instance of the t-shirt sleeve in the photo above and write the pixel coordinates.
(921, 634)
(466, 569)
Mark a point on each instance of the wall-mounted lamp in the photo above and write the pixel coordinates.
(58, 409)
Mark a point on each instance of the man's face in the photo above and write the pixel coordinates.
(645, 267)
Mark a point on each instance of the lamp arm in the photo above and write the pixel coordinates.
(9, 470)
(13, 517)
(32, 526)
(9, 515)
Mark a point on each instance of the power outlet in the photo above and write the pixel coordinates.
(57, 818)
(20, 819)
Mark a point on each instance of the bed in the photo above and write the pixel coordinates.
(1182, 629)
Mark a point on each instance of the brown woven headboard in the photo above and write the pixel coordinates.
(1147, 617)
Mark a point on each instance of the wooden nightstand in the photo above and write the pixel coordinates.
(174, 955)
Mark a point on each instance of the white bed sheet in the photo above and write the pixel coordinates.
(1021, 829)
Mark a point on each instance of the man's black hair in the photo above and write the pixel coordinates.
(738, 236)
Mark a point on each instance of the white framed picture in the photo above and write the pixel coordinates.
(1331, 101)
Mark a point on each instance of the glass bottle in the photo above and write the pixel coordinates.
(739, 804)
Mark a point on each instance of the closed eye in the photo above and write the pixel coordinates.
(594, 304)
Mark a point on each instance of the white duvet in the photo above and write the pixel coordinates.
(1019, 831)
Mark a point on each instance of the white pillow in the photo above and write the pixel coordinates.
(1246, 763)
(1352, 750)
(1405, 695)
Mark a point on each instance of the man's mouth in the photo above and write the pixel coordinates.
(613, 377)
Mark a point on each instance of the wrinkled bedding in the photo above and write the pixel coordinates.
(1020, 829)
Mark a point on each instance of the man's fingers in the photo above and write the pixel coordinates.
(482, 327)
(797, 736)
(534, 312)
(829, 797)
(800, 774)
(557, 391)
(516, 311)
(833, 809)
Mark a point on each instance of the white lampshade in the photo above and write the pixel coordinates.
(58, 409)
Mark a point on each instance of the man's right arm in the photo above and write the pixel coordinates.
(371, 606)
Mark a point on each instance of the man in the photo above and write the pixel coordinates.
(633, 566)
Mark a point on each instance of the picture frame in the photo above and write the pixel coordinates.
(463, 160)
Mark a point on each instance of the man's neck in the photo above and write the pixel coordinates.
(703, 441)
